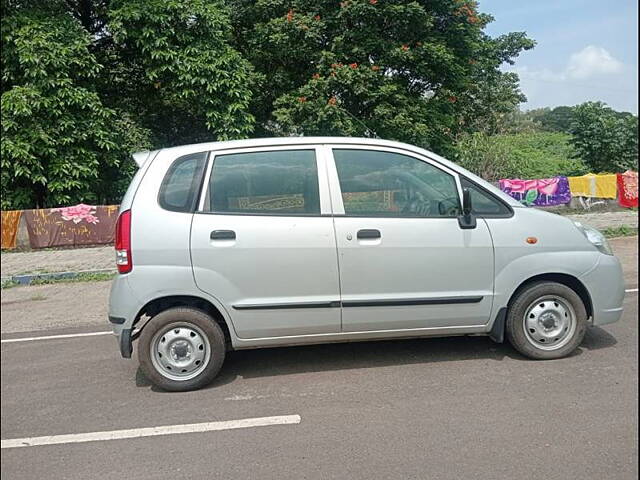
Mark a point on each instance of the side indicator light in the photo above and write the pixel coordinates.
(532, 240)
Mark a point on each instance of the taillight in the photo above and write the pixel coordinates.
(123, 242)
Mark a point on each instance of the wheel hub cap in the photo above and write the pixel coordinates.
(549, 323)
(180, 351)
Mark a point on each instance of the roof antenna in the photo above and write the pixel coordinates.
(368, 130)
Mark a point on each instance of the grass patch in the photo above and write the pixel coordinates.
(8, 284)
(620, 231)
(81, 277)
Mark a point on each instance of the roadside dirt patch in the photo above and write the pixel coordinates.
(44, 307)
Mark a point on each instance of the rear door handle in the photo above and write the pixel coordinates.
(369, 234)
(223, 235)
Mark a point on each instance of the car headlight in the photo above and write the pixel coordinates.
(595, 237)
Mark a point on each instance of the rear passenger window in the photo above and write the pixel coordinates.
(275, 183)
(180, 186)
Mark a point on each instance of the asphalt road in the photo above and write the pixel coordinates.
(434, 408)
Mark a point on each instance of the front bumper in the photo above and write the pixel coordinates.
(605, 284)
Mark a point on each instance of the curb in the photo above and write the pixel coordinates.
(26, 279)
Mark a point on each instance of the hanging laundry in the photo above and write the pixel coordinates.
(10, 222)
(628, 189)
(544, 192)
(591, 185)
(71, 226)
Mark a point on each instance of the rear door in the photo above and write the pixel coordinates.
(263, 244)
(404, 261)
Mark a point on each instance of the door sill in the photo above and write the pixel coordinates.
(316, 338)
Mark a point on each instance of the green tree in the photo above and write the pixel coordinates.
(517, 121)
(483, 155)
(521, 155)
(171, 61)
(57, 135)
(86, 82)
(606, 140)
(417, 71)
(558, 119)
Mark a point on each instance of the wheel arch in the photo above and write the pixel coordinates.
(565, 279)
(161, 304)
(498, 330)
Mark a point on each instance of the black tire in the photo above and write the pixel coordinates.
(183, 316)
(515, 324)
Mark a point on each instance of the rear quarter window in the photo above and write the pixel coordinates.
(181, 184)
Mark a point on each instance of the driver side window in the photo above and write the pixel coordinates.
(385, 184)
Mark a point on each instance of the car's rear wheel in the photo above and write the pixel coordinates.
(181, 349)
(546, 320)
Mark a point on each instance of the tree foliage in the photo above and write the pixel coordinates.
(417, 71)
(522, 155)
(86, 82)
(190, 85)
(56, 132)
(607, 141)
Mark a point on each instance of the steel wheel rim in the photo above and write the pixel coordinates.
(180, 351)
(549, 322)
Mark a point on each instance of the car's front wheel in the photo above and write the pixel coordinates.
(546, 320)
(181, 349)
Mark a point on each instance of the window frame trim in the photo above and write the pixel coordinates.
(336, 191)
(323, 187)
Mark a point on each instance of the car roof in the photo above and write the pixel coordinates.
(282, 141)
(285, 141)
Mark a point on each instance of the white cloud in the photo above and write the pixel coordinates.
(589, 74)
(592, 61)
(589, 62)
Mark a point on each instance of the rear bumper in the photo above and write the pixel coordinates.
(605, 284)
(123, 336)
(123, 308)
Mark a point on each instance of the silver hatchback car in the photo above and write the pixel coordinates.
(289, 241)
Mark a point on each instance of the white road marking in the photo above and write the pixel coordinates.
(55, 337)
(631, 290)
(150, 432)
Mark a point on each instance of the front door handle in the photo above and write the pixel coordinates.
(369, 234)
(223, 235)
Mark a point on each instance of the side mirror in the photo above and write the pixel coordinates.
(467, 208)
(467, 220)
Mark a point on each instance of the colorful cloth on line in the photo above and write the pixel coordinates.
(10, 223)
(544, 192)
(591, 185)
(70, 226)
(628, 189)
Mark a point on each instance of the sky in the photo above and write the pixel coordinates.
(586, 50)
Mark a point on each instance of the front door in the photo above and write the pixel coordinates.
(260, 244)
(404, 261)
